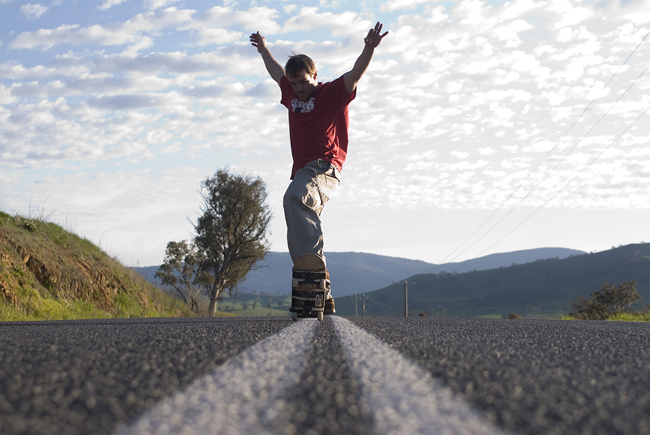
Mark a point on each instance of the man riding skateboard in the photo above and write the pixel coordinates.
(318, 130)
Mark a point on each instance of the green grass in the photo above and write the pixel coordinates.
(631, 317)
(624, 317)
(35, 307)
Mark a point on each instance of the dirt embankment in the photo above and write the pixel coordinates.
(61, 273)
(39, 259)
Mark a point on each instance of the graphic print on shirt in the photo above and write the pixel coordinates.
(301, 106)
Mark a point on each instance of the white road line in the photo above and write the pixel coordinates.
(402, 397)
(240, 397)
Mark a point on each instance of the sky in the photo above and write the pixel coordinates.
(480, 126)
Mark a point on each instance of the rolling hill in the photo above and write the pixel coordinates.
(357, 272)
(543, 287)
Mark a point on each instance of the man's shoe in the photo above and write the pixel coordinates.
(329, 307)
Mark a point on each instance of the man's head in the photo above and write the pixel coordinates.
(302, 74)
(299, 63)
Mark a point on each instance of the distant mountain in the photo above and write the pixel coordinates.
(543, 287)
(350, 272)
(356, 272)
(494, 261)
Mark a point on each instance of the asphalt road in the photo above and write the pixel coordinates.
(360, 375)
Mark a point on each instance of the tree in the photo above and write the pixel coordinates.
(606, 302)
(180, 270)
(231, 232)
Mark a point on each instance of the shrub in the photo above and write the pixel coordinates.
(607, 302)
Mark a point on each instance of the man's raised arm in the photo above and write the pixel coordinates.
(272, 66)
(373, 39)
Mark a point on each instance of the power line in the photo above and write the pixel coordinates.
(569, 182)
(543, 159)
(552, 170)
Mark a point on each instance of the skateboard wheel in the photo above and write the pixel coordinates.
(294, 316)
(320, 316)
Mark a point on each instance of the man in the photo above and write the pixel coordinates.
(318, 129)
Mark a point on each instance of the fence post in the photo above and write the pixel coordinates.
(406, 299)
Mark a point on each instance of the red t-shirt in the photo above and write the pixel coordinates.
(318, 129)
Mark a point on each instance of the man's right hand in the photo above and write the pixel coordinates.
(272, 66)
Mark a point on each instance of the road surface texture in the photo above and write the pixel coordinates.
(344, 375)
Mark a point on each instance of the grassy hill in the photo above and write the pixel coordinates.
(48, 273)
(541, 288)
(359, 272)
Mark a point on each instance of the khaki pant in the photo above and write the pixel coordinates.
(310, 189)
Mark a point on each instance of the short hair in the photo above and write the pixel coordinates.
(299, 63)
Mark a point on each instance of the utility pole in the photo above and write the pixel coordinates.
(363, 305)
(356, 313)
(406, 299)
(271, 305)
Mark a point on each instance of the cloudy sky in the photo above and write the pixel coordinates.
(480, 126)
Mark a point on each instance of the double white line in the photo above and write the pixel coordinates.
(247, 393)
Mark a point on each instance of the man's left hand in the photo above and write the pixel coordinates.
(374, 35)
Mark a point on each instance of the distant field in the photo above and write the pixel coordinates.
(256, 305)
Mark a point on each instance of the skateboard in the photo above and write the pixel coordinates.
(308, 287)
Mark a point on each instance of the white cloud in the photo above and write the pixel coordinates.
(218, 36)
(126, 102)
(569, 14)
(11, 70)
(565, 35)
(172, 148)
(637, 13)
(69, 34)
(109, 4)
(118, 34)
(172, 62)
(518, 8)
(33, 11)
(486, 151)
(142, 44)
(343, 24)
(460, 154)
(394, 5)
(6, 97)
(510, 32)
(253, 19)
(157, 4)
(78, 86)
